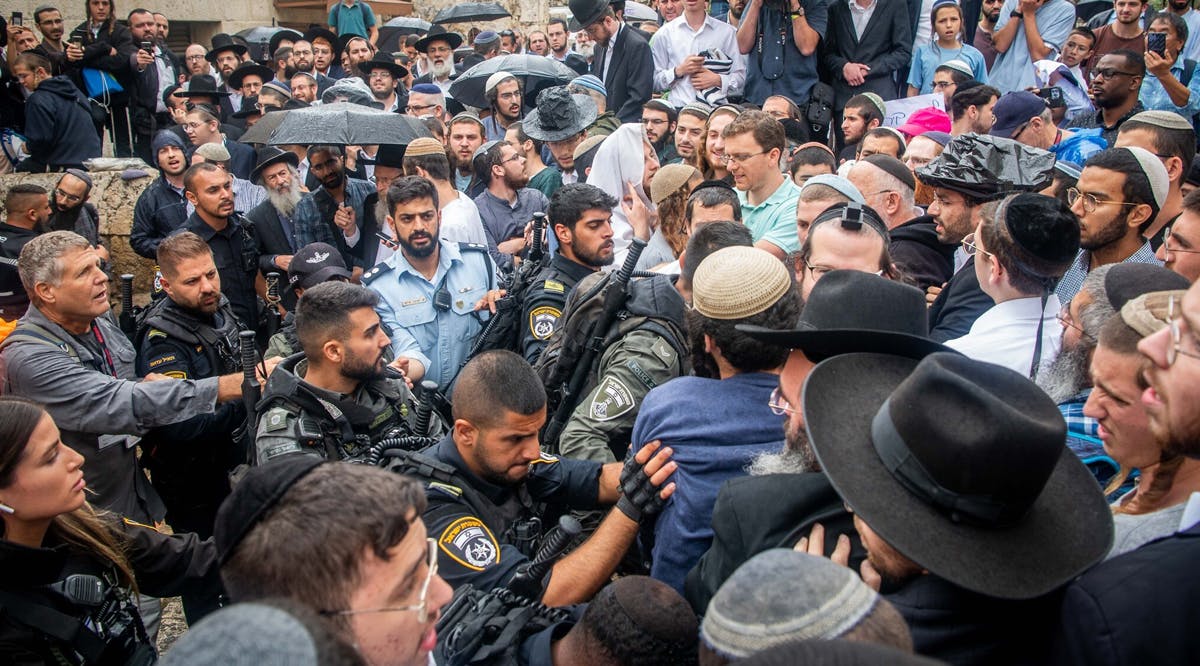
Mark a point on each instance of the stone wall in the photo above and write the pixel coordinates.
(115, 198)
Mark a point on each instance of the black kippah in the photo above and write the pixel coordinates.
(1042, 226)
(893, 167)
(254, 496)
(1126, 281)
(852, 215)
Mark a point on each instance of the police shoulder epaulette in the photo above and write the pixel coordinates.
(474, 247)
(374, 272)
(453, 491)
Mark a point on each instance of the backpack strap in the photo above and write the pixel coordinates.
(55, 624)
(434, 471)
(36, 333)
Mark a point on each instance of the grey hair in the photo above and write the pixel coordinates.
(41, 258)
(886, 181)
(1094, 315)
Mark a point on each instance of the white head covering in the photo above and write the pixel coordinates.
(620, 159)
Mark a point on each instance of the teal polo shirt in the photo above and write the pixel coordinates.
(774, 220)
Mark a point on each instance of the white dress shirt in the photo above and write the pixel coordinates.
(676, 40)
(861, 15)
(1005, 334)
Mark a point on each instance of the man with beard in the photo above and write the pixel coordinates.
(465, 137)
(73, 212)
(49, 22)
(506, 206)
(1125, 32)
(538, 43)
(310, 266)
(233, 241)
(717, 421)
(326, 54)
(541, 177)
(560, 47)
(689, 131)
(659, 119)
(426, 100)
(623, 60)
(426, 157)
(1119, 192)
(1183, 9)
(26, 210)
(153, 70)
(334, 212)
(343, 366)
(580, 217)
(503, 92)
(431, 290)
(972, 109)
(162, 207)
(272, 219)
(786, 492)
(1116, 83)
(989, 14)
(195, 60)
(304, 87)
(191, 334)
(1141, 606)
(225, 56)
(438, 47)
(383, 76)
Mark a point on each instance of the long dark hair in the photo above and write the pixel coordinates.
(84, 527)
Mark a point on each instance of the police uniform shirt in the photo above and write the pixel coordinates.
(544, 302)
(235, 252)
(473, 551)
(438, 339)
(13, 299)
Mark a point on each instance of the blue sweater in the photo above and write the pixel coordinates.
(715, 427)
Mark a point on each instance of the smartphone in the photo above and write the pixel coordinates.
(77, 38)
(148, 47)
(17, 19)
(1157, 42)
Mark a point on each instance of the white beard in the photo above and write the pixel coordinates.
(440, 70)
(285, 202)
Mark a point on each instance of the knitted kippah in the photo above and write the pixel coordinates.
(587, 144)
(1163, 119)
(878, 102)
(495, 80)
(213, 151)
(738, 282)
(1156, 173)
(670, 179)
(467, 116)
(838, 183)
(425, 146)
(1147, 314)
(697, 109)
(958, 66)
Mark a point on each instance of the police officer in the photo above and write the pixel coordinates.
(581, 219)
(487, 480)
(336, 399)
(431, 292)
(311, 265)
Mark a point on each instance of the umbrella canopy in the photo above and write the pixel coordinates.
(636, 11)
(346, 124)
(471, 11)
(535, 72)
(260, 132)
(392, 33)
(258, 39)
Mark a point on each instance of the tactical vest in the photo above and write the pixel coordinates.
(219, 345)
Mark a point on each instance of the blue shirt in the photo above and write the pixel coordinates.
(1013, 69)
(1072, 280)
(349, 20)
(928, 58)
(503, 220)
(439, 340)
(774, 65)
(715, 427)
(1083, 435)
(1155, 98)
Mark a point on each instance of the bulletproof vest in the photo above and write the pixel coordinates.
(219, 345)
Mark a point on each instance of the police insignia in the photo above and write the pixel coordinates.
(542, 321)
(612, 399)
(176, 374)
(554, 287)
(470, 543)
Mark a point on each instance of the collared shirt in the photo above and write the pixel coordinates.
(676, 40)
(609, 51)
(1072, 280)
(1109, 133)
(492, 129)
(1154, 96)
(1013, 69)
(1191, 50)
(503, 220)
(1006, 333)
(311, 227)
(438, 339)
(774, 220)
(861, 16)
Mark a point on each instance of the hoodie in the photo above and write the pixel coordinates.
(58, 127)
(919, 255)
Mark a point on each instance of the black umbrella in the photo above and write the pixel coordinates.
(258, 39)
(471, 11)
(260, 132)
(535, 72)
(346, 124)
(392, 33)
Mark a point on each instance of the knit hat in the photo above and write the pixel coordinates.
(425, 146)
(1155, 172)
(959, 66)
(213, 152)
(467, 116)
(670, 179)
(588, 144)
(780, 596)
(1164, 119)
(165, 138)
(698, 109)
(590, 82)
(877, 101)
(495, 80)
(1126, 281)
(1147, 314)
(842, 185)
(738, 282)
(893, 167)
(253, 498)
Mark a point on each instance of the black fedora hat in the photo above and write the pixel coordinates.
(224, 42)
(249, 68)
(382, 60)
(559, 115)
(438, 33)
(344, 40)
(960, 466)
(202, 85)
(282, 34)
(853, 311)
(249, 107)
(586, 12)
(269, 155)
(318, 32)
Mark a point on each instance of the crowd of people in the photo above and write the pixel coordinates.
(693, 356)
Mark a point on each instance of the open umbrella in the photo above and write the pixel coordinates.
(535, 72)
(260, 132)
(394, 31)
(258, 39)
(471, 11)
(346, 124)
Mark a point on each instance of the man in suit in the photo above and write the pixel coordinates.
(154, 70)
(623, 60)
(864, 55)
(106, 45)
(203, 127)
(272, 219)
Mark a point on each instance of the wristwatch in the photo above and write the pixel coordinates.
(1015, 14)
(796, 14)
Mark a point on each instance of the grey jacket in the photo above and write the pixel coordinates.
(98, 409)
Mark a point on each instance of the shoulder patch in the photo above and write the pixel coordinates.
(613, 398)
(553, 286)
(155, 334)
(161, 359)
(470, 543)
(453, 491)
(663, 350)
(176, 374)
(542, 321)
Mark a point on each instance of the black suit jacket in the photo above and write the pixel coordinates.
(272, 239)
(630, 79)
(241, 158)
(756, 513)
(145, 97)
(885, 47)
(370, 227)
(959, 305)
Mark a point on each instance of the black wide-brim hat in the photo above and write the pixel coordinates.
(344, 40)
(559, 115)
(224, 42)
(382, 60)
(1067, 528)
(317, 32)
(438, 33)
(585, 13)
(271, 155)
(285, 33)
(249, 107)
(249, 68)
(202, 85)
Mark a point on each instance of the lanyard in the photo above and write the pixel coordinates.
(112, 368)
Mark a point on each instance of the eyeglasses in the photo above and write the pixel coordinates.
(421, 607)
(1090, 201)
(1066, 321)
(871, 194)
(972, 247)
(514, 158)
(417, 108)
(515, 94)
(194, 58)
(1176, 349)
(779, 404)
(652, 121)
(1109, 72)
(66, 195)
(1168, 237)
(739, 159)
(1016, 133)
(938, 85)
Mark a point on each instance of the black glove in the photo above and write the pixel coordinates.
(639, 497)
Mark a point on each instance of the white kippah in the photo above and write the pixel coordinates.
(1155, 172)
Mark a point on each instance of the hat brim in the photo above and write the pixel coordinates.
(454, 39)
(263, 72)
(1068, 528)
(587, 114)
(285, 156)
(202, 93)
(286, 33)
(398, 71)
(211, 56)
(820, 344)
(287, 293)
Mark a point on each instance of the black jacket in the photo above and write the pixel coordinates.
(371, 227)
(885, 47)
(58, 127)
(159, 211)
(630, 79)
(145, 97)
(98, 54)
(919, 254)
(272, 239)
(241, 158)
(757, 513)
(958, 306)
